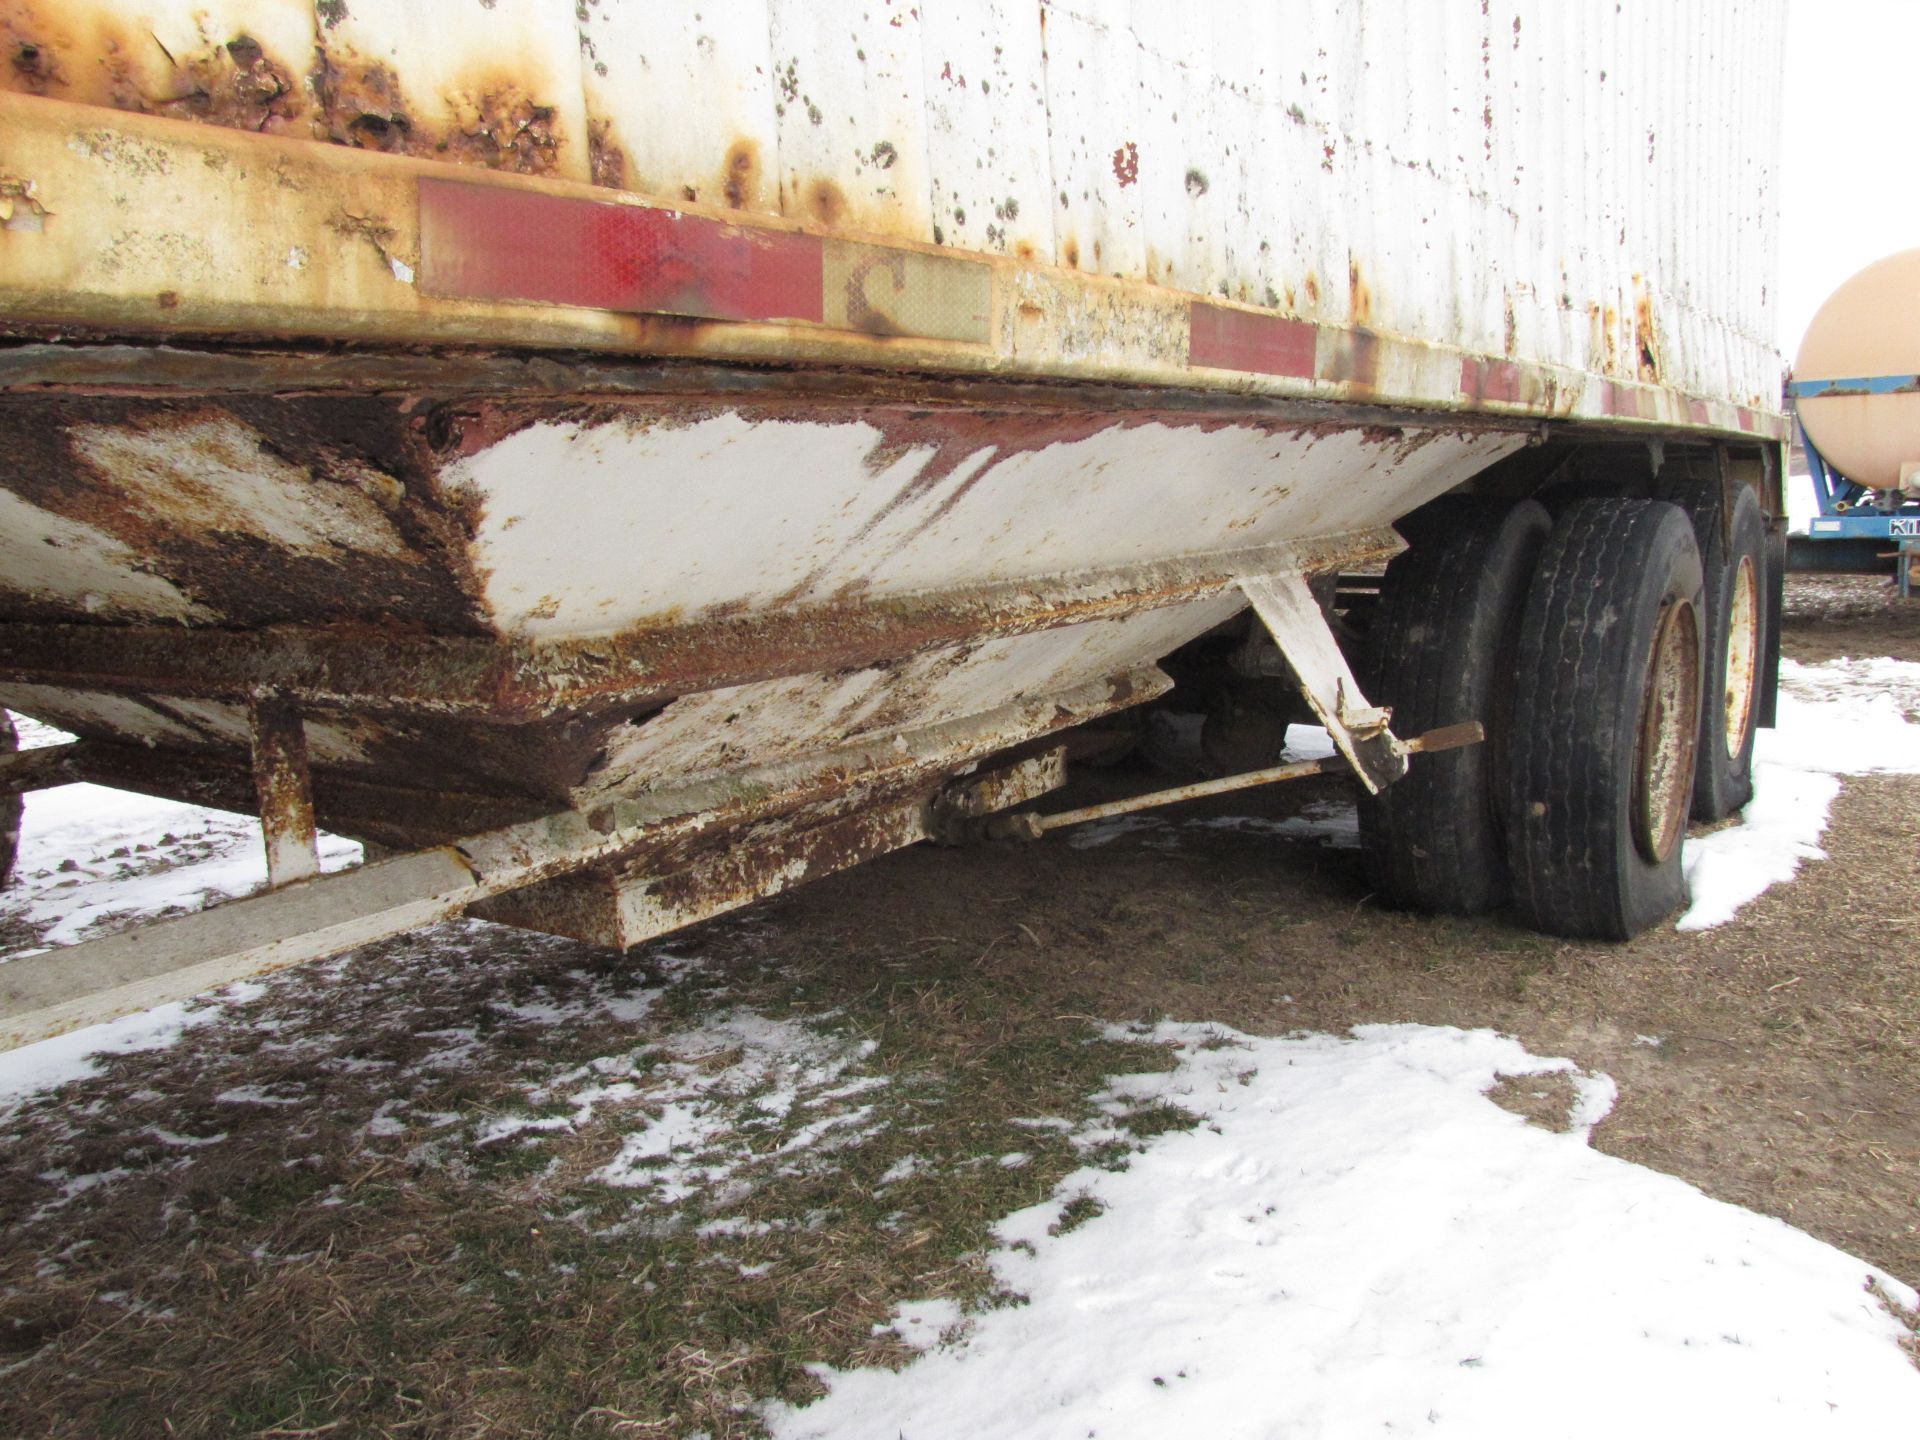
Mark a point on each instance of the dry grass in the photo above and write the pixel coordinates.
(1828, 616)
(304, 1270)
(1548, 1101)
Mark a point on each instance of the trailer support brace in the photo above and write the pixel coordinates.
(285, 788)
(1286, 606)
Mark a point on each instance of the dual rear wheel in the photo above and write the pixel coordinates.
(1614, 655)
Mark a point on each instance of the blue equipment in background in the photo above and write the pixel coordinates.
(1857, 528)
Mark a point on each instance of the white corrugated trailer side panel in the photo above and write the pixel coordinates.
(1582, 183)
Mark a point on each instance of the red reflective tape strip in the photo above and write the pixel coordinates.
(1495, 380)
(492, 242)
(1223, 339)
(1748, 421)
(1698, 413)
(1630, 401)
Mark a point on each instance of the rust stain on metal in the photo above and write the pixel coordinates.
(495, 123)
(93, 56)
(1126, 164)
(740, 176)
(442, 685)
(759, 844)
(284, 788)
(1645, 333)
(729, 874)
(606, 161)
(1350, 358)
(825, 203)
(1359, 294)
(260, 511)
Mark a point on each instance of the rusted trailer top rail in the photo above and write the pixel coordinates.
(132, 224)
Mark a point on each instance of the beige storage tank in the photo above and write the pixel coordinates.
(1857, 377)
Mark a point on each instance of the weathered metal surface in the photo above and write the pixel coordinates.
(242, 235)
(711, 70)
(1668, 733)
(60, 990)
(986, 127)
(496, 86)
(242, 63)
(284, 786)
(23, 771)
(1291, 309)
(394, 774)
(954, 814)
(362, 669)
(1434, 172)
(878, 503)
(1293, 617)
(478, 243)
(380, 808)
(660, 891)
(241, 514)
(465, 520)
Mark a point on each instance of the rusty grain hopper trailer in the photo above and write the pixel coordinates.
(622, 460)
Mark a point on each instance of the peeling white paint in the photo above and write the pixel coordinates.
(772, 720)
(738, 510)
(49, 557)
(88, 712)
(212, 473)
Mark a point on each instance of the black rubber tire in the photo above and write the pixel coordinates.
(10, 807)
(1608, 575)
(1723, 781)
(1441, 650)
(1776, 608)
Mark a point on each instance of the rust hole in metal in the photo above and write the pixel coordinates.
(492, 121)
(34, 66)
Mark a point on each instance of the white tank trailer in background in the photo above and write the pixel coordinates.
(1856, 391)
(622, 460)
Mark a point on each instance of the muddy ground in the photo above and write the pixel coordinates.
(309, 1222)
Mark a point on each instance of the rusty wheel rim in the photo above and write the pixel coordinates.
(1743, 656)
(1669, 733)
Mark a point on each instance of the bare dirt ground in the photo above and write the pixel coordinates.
(317, 1216)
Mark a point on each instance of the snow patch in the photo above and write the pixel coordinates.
(1356, 1242)
(1843, 717)
(92, 858)
(701, 1107)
